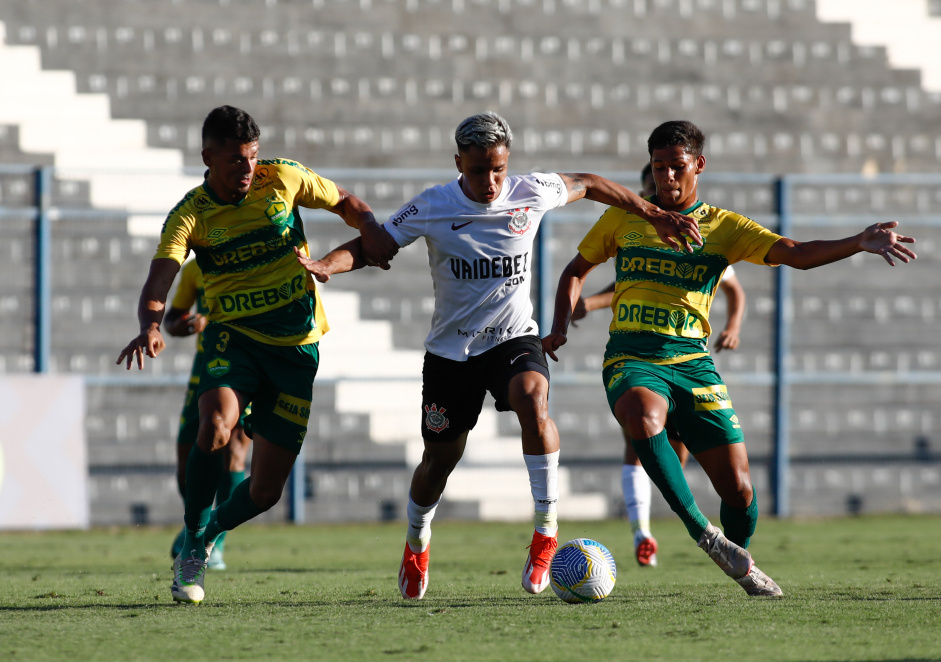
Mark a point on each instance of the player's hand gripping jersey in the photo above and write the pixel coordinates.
(251, 276)
(661, 296)
(481, 259)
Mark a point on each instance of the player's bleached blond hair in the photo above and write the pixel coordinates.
(484, 130)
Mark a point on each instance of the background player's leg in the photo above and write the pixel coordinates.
(635, 485)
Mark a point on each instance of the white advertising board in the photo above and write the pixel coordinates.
(43, 465)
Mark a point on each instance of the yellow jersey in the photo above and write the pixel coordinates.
(662, 296)
(245, 251)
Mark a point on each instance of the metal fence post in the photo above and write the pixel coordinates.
(545, 292)
(296, 488)
(43, 274)
(780, 463)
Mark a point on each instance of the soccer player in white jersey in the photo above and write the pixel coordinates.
(635, 483)
(479, 229)
(657, 363)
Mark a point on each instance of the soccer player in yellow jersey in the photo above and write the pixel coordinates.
(634, 481)
(656, 361)
(181, 321)
(265, 318)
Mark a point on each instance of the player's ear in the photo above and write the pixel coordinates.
(457, 163)
(700, 164)
(207, 156)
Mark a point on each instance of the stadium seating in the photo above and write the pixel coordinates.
(343, 86)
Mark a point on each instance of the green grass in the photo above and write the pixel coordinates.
(855, 589)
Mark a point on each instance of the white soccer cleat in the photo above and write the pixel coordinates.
(216, 562)
(735, 561)
(189, 575)
(759, 584)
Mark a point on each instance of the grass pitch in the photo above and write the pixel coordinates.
(855, 589)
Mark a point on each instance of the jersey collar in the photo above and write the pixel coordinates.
(685, 212)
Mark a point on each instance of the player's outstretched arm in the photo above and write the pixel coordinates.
(735, 296)
(566, 296)
(378, 245)
(150, 308)
(343, 258)
(674, 229)
(878, 239)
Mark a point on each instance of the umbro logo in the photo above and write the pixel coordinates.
(455, 226)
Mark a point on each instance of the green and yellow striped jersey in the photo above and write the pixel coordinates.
(251, 276)
(662, 296)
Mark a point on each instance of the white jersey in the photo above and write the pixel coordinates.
(481, 258)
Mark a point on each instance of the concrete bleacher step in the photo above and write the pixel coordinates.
(91, 139)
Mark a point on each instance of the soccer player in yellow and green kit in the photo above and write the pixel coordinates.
(656, 362)
(265, 320)
(181, 321)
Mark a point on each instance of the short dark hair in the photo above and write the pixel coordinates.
(229, 123)
(677, 133)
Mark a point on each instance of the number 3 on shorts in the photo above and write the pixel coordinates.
(223, 341)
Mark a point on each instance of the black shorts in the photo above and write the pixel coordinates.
(453, 391)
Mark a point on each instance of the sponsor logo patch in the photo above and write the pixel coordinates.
(435, 419)
(202, 202)
(261, 177)
(293, 409)
(710, 398)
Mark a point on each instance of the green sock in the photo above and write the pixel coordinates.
(664, 468)
(227, 485)
(202, 478)
(739, 524)
(237, 509)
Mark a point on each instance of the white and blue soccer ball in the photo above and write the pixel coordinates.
(583, 570)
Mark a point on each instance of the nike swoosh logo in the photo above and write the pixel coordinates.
(514, 359)
(455, 226)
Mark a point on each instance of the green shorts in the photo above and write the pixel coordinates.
(697, 400)
(189, 417)
(279, 381)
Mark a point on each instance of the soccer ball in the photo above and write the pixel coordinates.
(583, 570)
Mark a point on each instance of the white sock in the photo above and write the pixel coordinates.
(544, 483)
(419, 525)
(637, 497)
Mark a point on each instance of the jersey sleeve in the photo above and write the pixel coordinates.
(600, 244)
(750, 241)
(311, 190)
(175, 235)
(187, 289)
(551, 189)
(409, 223)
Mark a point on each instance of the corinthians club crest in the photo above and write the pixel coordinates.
(519, 220)
(434, 418)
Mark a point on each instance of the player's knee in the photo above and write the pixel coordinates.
(214, 434)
